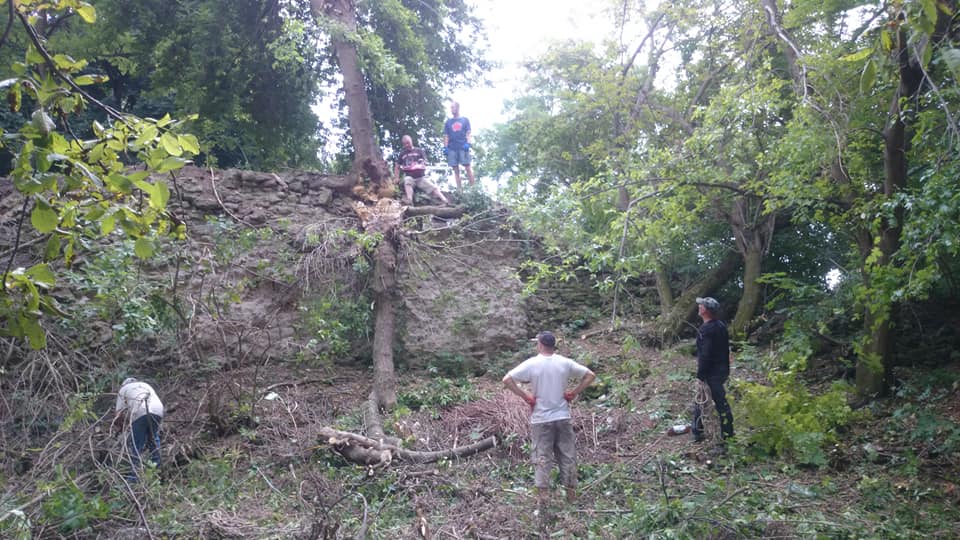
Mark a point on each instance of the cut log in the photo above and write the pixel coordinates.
(366, 451)
(446, 212)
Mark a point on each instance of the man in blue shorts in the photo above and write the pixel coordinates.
(456, 143)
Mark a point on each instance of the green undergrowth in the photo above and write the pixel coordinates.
(888, 477)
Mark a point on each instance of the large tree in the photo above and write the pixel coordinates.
(885, 96)
(249, 69)
(361, 57)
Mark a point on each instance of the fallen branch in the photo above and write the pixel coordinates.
(599, 331)
(439, 211)
(367, 451)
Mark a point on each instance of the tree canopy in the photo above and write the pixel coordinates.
(739, 129)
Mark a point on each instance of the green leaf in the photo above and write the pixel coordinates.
(170, 144)
(68, 251)
(189, 143)
(34, 56)
(868, 77)
(160, 195)
(42, 275)
(886, 40)
(119, 183)
(171, 164)
(147, 187)
(87, 12)
(107, 224)
(143, 248)
(15, 98)
(951, 57)
(148, 134)
(164, 121)
(85, 80)
(33, 332)
(862, 54)
(52, 249)
(929, 10)
(44, 218)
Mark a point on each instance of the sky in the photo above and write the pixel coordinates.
(520, 30)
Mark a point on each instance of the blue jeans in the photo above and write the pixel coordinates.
(144, 433)
(723, 410)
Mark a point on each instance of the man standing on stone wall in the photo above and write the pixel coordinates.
(456, 143)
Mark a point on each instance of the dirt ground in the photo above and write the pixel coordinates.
(622, 435)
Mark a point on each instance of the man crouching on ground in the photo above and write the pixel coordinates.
(552, 438)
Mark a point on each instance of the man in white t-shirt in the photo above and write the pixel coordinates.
(552, 437)
(139, 407)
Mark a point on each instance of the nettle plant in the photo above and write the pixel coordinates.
(74, 188)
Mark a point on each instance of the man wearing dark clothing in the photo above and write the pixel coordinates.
(713, 366)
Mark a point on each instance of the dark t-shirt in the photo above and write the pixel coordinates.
(713, 350)
(412, 162)
(456, 131)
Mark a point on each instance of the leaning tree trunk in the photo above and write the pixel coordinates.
(664, 292)
(747, 308)
(368, 160)
(384, 216)
(672, 323)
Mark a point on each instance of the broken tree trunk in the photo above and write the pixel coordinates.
(384, 294)
(366, 451)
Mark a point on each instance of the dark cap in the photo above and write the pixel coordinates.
(547, 339)
(709, 303)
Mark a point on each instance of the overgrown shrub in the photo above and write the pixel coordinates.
(787, 419)
(112, 288)
(440, 392)
(68, 507)
(334, 326)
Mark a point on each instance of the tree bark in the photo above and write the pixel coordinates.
(367, 451)
(439, 211)
(874, 361)
(874, 367)
(382, 218)
(663, 288)
(384, 289)
(367, 160)
(672, 323)
(753, 231)
(747, 308)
